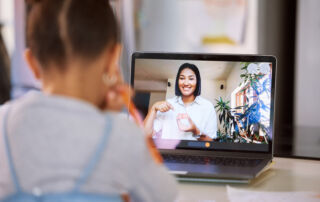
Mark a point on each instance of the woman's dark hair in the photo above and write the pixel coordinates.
(195, 69)
(57, 29)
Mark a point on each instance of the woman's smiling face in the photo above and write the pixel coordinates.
(187, 82)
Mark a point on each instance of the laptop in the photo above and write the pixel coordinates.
(210, 115)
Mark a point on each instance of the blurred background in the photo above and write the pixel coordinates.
(287, 29)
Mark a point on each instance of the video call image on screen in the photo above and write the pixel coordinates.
(226, 102)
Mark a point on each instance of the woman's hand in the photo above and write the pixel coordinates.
(204, 138)
(162, 106)
(186, 124)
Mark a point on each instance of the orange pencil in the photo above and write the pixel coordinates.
(133, 111)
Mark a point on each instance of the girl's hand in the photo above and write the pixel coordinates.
(114, 97)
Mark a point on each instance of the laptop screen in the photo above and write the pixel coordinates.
(207, 102)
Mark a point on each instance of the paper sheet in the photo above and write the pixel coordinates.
(241, 195)
(192, 200)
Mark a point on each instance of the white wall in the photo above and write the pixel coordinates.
(124, 11)
(307, 93)
(307, 79)
(161, 26)
(171, 89)
(164, 27)
(12, 16)
(6, 19)
(21, 76)
(150, 85)
(156, 96)
(233, 81)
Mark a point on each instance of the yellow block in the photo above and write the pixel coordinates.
(209, 40)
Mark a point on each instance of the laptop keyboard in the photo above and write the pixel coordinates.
(209, 160)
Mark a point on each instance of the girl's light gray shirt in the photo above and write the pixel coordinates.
(53, 137)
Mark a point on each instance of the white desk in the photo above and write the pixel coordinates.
(285, 175)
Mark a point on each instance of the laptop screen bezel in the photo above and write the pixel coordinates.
(216, 57)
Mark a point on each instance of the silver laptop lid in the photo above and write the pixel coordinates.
(206, 101)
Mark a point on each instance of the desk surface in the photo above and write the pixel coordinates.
(285, 175)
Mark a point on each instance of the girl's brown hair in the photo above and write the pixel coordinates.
(57, 29)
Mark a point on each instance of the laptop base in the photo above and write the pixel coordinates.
(213, 180)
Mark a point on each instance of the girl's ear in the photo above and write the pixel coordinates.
(33, 63)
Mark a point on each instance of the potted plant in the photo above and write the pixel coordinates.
(246, 127)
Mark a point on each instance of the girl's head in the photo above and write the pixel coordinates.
(73, 42)
(188, 81)
(60, 30)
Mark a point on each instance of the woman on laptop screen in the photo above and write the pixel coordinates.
(187, 116)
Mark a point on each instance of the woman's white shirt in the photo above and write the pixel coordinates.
(201, 112)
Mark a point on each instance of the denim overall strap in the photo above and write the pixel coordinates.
(9, 154)
(96, 155)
